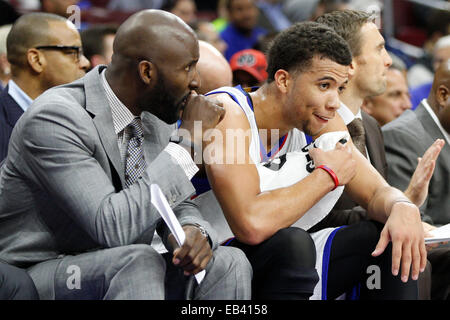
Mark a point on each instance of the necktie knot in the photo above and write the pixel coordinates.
(356, 127)
(135, 128)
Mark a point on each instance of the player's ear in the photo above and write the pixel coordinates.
(283, 80)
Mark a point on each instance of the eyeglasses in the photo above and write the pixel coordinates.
(77, 51)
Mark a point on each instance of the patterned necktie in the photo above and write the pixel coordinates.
(356, 130)
(135, 162)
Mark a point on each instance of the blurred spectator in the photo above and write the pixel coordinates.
(135, 5)
(221, 22)
(241, 32)
(300, 10)
(393, 102)
(98, 44)
(5, 67)
(58, 7)
(264, 42)
(205, 31)
(326, 6)
(441, 53)
(271, 15)
(44, 51)
(185, 9)
(249, 68)
(213, 69)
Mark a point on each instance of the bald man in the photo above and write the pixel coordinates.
(76, 206)
(44, 51)
(213, 69)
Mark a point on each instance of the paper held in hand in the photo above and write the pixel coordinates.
(161, 204)
(440, 234)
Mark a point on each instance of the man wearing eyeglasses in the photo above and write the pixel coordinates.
(44, 51)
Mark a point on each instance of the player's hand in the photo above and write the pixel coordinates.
(340, 160)
(404, 228)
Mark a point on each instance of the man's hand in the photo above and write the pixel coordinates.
(417, 190)
(339, 160)
(200, 114)
(194, 254)
(404, 228)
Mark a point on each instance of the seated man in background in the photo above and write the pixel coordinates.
(44, 51)
(98, 44)
(393, 101)
(82, 159)
(308, 69)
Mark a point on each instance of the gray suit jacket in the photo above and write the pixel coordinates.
(61, 184)
(406, 139)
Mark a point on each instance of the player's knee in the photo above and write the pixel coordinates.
(295, 246)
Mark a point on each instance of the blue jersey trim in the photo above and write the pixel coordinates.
(326, 261)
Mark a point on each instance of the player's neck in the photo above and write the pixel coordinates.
(268, 115)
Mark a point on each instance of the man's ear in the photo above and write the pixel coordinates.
(147, 71)
(36, 60)
(283, 80)
(442, 95)
(351, 69)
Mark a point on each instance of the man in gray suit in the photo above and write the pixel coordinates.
(75, 205)
(405, 139)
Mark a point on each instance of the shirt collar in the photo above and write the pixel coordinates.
(121, 115)
(21, 98)
(347, 114)
(436, 120)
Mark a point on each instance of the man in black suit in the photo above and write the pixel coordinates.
(44, 51)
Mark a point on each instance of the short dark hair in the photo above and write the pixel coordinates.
(30, 30)
(92, 39)
(295, 47)
(348, 24)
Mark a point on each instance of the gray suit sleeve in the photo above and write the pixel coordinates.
(60, 145)
(403, 148)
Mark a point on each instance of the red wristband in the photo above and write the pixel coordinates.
(332, 174)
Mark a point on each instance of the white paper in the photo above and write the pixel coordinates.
(163, 207)
(440, 234)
